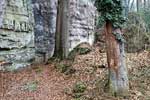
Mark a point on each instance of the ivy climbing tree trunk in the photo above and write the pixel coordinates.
(118, 79)
(62, 30)
(112, 14)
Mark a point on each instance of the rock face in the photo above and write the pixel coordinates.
(21, 43)
(2, 6)
(82, 22)
(16, 34)
(45, 12)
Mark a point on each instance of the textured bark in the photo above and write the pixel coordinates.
(62, 31)
(2, 6)
(118, 79)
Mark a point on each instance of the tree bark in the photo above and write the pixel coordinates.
(62, 30)
(118, 79)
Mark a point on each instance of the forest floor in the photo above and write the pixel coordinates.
(85, 81)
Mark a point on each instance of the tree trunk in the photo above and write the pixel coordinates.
(144, 4)
(131, 6)
(148, 1)
(137, 5)
(2, 6)
(62, 30)
(118, 79)
(126, 7)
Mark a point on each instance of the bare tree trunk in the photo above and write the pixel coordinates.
(144, 4)
(62, 30)
(131, 7)
(2, 6)
(137, 5)
(148, 1)
(118, 79)
(126, 7)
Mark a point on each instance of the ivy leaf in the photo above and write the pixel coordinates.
(111, 10)
(108, 2)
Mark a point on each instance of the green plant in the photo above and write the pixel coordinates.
(31, 86)
(38, 69)
(62, 67)
(111, 11)
(119, 37)
(83, 51)
(70, 71)
(79, 50)
(77, 95)
(65, 68)
(11, 68)
(79, 87)
(78, 90)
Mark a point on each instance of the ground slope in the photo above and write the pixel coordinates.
(45, 82)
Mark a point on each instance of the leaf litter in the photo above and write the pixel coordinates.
(40, 82)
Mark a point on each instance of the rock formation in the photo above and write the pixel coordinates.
(16, 34)
(27, 33)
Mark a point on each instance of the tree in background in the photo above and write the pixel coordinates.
(138, 26)
(62, 30)
(138, 3)
(111, 14)
(126, 7)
